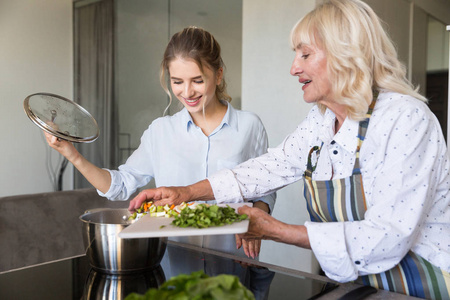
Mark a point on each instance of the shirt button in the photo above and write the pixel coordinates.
(357, 262)
(335, 152)
(333, 142)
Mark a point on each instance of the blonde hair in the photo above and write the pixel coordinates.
(200, 46)
(361, 57)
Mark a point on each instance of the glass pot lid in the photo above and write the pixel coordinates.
(61, 117)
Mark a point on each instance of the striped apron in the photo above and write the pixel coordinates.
(341, 200)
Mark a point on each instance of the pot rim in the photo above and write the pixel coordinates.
(95, 211)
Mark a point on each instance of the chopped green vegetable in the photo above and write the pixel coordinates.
(197, 286)
(204, 216)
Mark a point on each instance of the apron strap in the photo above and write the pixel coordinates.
(362, 130)
(309, 167)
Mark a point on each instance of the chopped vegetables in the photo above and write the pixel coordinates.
(204, 216)
(199, 286)
(190, 215)
(156, 211)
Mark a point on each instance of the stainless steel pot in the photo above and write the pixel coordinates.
(110, 254)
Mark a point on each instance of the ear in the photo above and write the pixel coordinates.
(219, 76)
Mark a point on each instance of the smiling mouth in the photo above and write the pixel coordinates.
(306, 82)
(192, 101)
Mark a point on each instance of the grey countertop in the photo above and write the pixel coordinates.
(334, 294)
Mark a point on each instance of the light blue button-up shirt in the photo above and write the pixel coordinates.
(175, 152)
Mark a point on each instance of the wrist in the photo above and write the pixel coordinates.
(296, 235)
(262, 206)
(200, 191)
(75, 159)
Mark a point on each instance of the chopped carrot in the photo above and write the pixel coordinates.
(173, 206)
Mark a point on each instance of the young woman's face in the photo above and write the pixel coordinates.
(310, 65)
(193, 88)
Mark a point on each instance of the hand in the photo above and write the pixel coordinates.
(251, 247)
(67, 149)
(260, 225)
(161, 196)
(265, 227)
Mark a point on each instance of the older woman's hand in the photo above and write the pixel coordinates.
(200, 191)
(264, 226)
(261, 223)
(160, 196)
(251, 247)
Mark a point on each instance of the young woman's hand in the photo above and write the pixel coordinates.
(99, 178)
(67, 149)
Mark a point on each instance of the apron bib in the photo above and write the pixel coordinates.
(341, 200)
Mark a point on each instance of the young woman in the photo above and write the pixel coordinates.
(207, 135)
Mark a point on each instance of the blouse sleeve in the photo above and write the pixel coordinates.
(135, 173)
(261, 176)
(403, 189)
(260, 149)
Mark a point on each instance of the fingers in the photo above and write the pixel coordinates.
(56, 143)
(238, 241)
(160, 197)
(244, 210)
(251, 247)
(257, 247)
(246, 248)
(137, 201)
(51, 139)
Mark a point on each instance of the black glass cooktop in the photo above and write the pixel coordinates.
(73, 278)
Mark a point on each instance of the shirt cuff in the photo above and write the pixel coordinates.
(225, 187)
(114, 190)
(269, 200)
(327, 241)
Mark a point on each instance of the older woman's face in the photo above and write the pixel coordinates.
(310, 65)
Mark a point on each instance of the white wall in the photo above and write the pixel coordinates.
(35, 56)
(269, 90)
(438, 47)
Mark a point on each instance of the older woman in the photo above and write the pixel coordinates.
(372, 156)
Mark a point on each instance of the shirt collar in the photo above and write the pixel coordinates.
(229, 119)
(346, 137)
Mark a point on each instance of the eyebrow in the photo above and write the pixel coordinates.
(176, 78)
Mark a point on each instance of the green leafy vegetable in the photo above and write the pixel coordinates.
(204, 216)
(197, 286)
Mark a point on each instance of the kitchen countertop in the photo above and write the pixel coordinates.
(73, 278)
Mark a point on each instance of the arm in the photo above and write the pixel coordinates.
(264, 226)
(99, 178)
(200, 191)
(261, 176)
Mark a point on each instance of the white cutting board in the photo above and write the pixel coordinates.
(148, 227)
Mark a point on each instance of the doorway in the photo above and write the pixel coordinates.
(437, 71)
